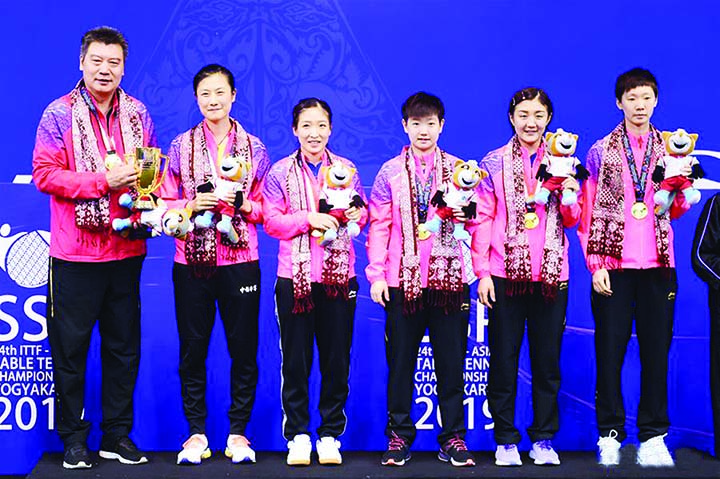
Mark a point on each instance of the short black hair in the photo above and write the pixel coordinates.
(306, 103)
(106, 35)
(422, 105)
(212, 69)
(633, 79)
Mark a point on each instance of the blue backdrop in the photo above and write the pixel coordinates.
(364, 58)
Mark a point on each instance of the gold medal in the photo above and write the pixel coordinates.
(112, 160)
(531, 220)
(639, 210)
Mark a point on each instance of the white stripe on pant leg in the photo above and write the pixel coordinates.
(282, 379)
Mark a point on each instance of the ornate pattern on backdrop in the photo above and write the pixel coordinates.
(279, 51)
(283, 50)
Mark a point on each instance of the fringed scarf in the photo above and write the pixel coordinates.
(196, 169)
(518, 265)
(445, 283)
(93, 215)
(607, 226)
(336, 257)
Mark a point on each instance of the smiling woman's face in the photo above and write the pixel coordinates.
(313, 131)
(529, 120)
(215, 97)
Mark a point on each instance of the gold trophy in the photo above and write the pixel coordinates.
(151, 166)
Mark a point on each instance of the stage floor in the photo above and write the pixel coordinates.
(366, 465)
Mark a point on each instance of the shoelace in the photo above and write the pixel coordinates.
(239, 441)
(195, 442)
(545, 445)
(331, 441)
(606, 446)
(657, 447)
(126, 443)
(509, 447)
(77, 449)
(396, 443)
(609, 439)
(656, 441)
(457, 443)
(299, 442)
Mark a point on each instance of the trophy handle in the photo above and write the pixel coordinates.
(147, 185)
(130, 159)
(164, 170)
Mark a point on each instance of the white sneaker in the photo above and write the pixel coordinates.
(194, 450)
(238, 449)
(609, 450)
(328, 450)
(544, 454)
(507, 455)
(299, 450)
(654, 453)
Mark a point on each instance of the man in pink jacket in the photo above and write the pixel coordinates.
(420, 281)
(629, 251)
(94, 273)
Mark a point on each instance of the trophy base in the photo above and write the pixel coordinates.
(145, 203)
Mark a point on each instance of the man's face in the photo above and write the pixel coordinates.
(423, 132)
(103, 67)
(638, 105)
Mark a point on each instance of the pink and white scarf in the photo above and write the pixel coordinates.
(196, 169)
(445, 282)
(518, 266)
(607, 226)
(336, 257)
(94, 214)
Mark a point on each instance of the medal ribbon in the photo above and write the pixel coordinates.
(423, 190)
(527, 186)
(638, 183)
(222, 146)
(107, 139)
(328, 160)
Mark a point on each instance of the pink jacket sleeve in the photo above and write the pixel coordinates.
(380, 210)
(260, 156)
(278, 223)
(364, 215)
(170, 188)
(586, 202)
(482, 235)
(571, 214)
(52, 172)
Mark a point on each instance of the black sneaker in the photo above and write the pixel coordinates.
(398, 452)
(122, 449)
(76, 456)
(455, 452)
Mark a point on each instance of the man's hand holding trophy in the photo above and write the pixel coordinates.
(143, 171)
